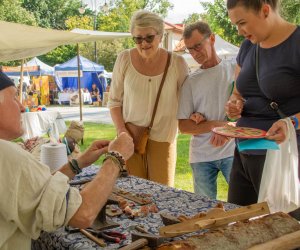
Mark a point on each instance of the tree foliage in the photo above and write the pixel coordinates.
(192, 18)
(12, 11)
(52, 14)
(290, 10)
(217, 17)
(118, 17)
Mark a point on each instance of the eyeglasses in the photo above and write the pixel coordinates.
(198, 46)
(140, 39)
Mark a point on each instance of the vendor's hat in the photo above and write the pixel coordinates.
(5, 81)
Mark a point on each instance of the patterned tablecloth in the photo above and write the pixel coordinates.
(170, 200)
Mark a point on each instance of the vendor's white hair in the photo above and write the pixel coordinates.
(147, 19)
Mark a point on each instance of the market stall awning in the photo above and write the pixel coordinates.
(18, 41)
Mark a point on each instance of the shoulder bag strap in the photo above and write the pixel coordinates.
(272, 104)
(159, 90)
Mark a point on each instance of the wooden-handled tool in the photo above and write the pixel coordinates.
(285, 242)
(100, 242)
(136, 245)
(140, 240)
(219, 219)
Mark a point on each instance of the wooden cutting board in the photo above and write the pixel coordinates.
(211, 221)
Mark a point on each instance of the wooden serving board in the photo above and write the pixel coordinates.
(131, 196)
(215, 220)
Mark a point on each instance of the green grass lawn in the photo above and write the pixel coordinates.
(183, 178)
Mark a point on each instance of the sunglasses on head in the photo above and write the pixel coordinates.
(140, 39)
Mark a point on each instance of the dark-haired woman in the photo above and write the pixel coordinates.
(276, 45)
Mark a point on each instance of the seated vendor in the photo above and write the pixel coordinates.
(33, 199)
(95, 93)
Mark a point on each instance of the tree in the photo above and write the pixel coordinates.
(12, 11)
(192, 18)
(118, 18)
(52, 14)
(290, 10)
(217, 17)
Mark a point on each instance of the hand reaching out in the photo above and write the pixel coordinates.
(277, 132)
(92, 154)
(234, 108)
(122, 144)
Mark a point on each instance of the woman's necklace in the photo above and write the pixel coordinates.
(153, 65)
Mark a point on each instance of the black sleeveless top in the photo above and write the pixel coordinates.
(279, 81)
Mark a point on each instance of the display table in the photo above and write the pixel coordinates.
(42, 122)
(168, 200)
(63, 97)
(73, 98)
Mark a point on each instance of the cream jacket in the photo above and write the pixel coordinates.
(32, 199)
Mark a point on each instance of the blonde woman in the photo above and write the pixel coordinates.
(136, 78)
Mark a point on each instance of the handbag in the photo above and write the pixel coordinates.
(140, 134)
(279, 183)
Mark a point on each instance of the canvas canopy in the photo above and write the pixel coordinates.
(18, 41)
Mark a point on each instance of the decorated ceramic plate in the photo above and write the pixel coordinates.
(240, 132)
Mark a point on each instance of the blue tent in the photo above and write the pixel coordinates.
(67, 74)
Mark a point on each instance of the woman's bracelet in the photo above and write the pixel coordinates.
(295, 121)
(230, 120)
(74, 166)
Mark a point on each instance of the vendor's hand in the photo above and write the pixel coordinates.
(277, 132)
(218, 140)
(234, 108)
(122, 144)
(197, 117)
(92, 154)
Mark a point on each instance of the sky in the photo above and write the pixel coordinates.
(183, 8)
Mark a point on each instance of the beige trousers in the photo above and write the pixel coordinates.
(157, 164)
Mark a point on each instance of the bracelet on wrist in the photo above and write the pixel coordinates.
(230, 120)
(118, 156)
(295, 121)
(115, 160)
(74, 166)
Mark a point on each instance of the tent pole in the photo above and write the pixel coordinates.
(79, 84)
(21, 82)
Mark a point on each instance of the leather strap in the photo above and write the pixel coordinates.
(159, 90)
(272, 104)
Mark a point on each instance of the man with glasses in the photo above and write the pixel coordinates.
(201, 108)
